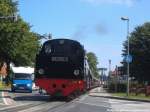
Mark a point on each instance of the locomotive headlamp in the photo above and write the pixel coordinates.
(41, 71)
(76, 72)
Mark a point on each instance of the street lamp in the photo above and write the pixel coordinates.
(127, 19)
(14, 17)
(46, 36)
(109, 72)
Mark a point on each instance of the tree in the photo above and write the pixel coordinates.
(140, 51)
(26, 50)
(92, 60)
(17, 43)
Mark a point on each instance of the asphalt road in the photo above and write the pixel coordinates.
(34, 102)
(84, 104)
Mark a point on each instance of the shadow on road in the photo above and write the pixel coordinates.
(4, 90)
(45, 98)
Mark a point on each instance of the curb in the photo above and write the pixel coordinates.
(121, 98)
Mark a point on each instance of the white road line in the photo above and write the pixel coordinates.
(41, 107)
(9, 107)
(7, 99)
(35, 108)
(4, 99)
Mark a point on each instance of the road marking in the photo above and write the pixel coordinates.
(9, 107)
(128, 106)
(93, 104)
(4, 99)
(35, 108)
(41, 107)
(7, 99)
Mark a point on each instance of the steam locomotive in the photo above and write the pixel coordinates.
(62, 69)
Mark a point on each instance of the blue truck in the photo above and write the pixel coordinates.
(22, 79)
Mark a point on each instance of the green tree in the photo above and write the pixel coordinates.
(17, 43)
(140, 51)
(92, 60)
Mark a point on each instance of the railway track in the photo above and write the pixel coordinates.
(33, 103)
(51, 105)
(31, 107)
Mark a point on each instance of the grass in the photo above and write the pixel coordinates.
(3, 86)
(132, 96)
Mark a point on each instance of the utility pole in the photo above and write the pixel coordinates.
(109, 72)
(102, 74)
(49, 36)
(128, 53)
(109, 68)
(116, 78)
(46, 36)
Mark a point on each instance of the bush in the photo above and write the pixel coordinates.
(119, 87)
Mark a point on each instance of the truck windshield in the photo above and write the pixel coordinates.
(22, 76)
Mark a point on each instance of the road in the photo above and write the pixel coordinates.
(84, 104)
(27, 102)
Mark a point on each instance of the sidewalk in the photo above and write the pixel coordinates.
(100, 92)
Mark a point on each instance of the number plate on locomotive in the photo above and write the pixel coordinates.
(60, 59)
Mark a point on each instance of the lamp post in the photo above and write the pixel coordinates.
(46, 36)
(127, 19)
(14, 17)
(109, 72)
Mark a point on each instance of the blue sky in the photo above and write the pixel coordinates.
(95, 23)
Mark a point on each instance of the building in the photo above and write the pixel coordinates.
(3, 70)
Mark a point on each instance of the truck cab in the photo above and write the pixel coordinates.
(22, 79)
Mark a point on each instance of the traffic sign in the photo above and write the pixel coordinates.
(128, 58)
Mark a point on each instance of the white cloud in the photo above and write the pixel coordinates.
(120, 2)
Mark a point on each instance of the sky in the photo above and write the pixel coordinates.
(94, 23)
